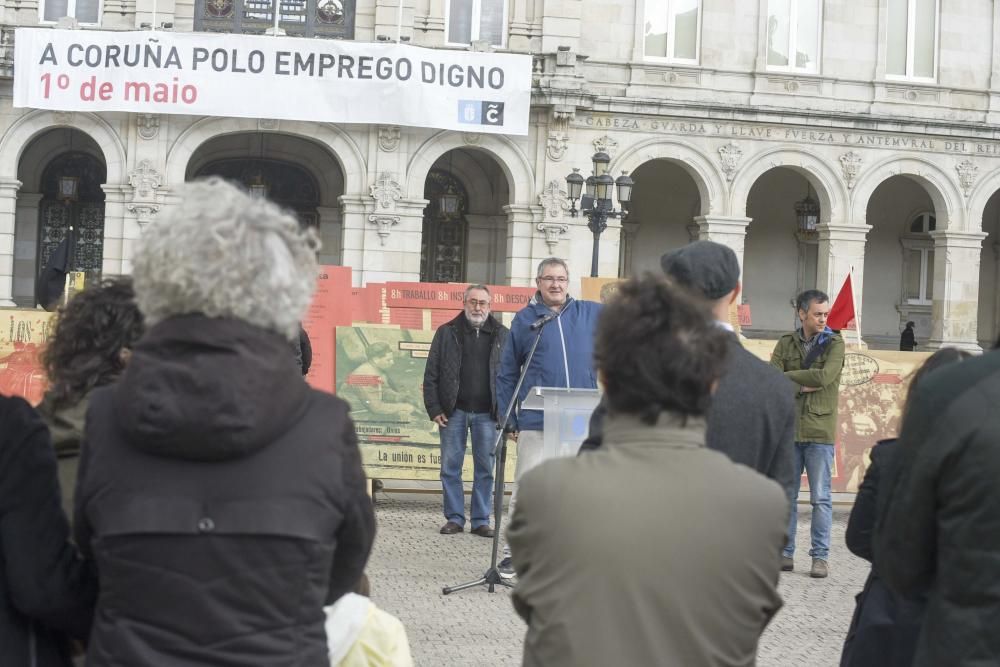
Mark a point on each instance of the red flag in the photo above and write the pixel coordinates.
(842, 313)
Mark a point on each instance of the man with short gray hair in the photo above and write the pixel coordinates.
(460, 397)
(564, 358)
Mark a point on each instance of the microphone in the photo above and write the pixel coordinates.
(542, 321)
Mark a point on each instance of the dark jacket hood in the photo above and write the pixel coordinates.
(208, 389)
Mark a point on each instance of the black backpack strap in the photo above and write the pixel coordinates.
(815, 352)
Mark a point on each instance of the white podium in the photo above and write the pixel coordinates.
(566, 417)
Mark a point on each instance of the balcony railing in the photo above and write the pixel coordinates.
(332, 19)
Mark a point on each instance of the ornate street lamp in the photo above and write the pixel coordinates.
(807, 212)
(448, 202)
(69, 188)
(594, 194)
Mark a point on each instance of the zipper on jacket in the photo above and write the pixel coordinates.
(563, 339)
(32, 645)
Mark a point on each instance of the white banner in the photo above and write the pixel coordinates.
(209, 74)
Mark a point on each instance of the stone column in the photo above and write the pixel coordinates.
(808, 243)
(354, 210)
(522, 256)
(383, 244)
(330, 233)
(841, 249)
(955, 308)
(8, 208)
(26, 231)
(120, 231)
(728, 230)
(996, 293)
(630, 229)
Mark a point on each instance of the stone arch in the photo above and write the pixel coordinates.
(824, 180)
(315, 158)
(707, 177)
(512, 160)
(469, 172)
(31, 124)
(980, 197)
(339, 143)
(941, 189)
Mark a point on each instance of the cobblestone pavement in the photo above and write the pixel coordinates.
(411, 562)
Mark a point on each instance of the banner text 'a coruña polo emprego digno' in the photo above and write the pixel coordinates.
(288, 78)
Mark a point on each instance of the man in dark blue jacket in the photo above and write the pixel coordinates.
(564, 358)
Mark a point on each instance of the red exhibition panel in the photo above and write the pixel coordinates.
(330, 308)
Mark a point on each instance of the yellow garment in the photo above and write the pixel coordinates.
(380, 641)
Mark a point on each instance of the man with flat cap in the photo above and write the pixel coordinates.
(752, 417)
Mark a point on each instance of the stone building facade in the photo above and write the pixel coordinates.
(727, 114)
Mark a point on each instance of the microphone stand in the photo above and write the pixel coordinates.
(492, 576)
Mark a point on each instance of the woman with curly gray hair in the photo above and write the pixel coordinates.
(222, 499)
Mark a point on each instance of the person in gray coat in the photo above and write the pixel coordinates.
(700, 584)
(752, 418)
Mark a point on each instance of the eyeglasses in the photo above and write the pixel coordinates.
(554, 279)
(477, 304)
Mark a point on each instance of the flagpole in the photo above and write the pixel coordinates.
(857, 310)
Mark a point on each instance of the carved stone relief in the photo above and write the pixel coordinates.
(967, 173)
(850, 162)
(730, 155)
(383, 225)
(553, 232)
(553, 200)
(386, 191)
(607, 145)
(389, 137)
(148, 124)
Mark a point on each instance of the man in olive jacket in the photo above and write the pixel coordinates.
(812, 357)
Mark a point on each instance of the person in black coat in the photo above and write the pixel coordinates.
(47, 592)
(907, 339)
(752, 418)
(885, 626)
(460, 397)
(221, 497)
(937, 525)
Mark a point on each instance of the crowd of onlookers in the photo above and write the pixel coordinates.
(181, 496)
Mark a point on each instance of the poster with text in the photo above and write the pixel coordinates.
(380, 372)
(23, 334)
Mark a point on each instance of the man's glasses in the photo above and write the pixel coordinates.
(554, 279)
(477, 304)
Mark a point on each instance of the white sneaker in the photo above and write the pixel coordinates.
(506, 569)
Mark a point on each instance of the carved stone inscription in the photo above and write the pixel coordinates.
(784, 133)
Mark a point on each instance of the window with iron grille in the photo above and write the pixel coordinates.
(333, 19)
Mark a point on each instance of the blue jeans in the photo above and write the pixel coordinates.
(817, 459)
(453, 441)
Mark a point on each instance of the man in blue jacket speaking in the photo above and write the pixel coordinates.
(564, 358)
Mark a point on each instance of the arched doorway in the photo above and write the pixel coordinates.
(665, 201)
(445, 230)
(899, 262)
(780, 259)
(286, 184)
(72, 206)
(464, 229)
(62, 172)
(295, 173)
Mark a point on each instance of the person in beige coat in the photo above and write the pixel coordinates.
(652, 550)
